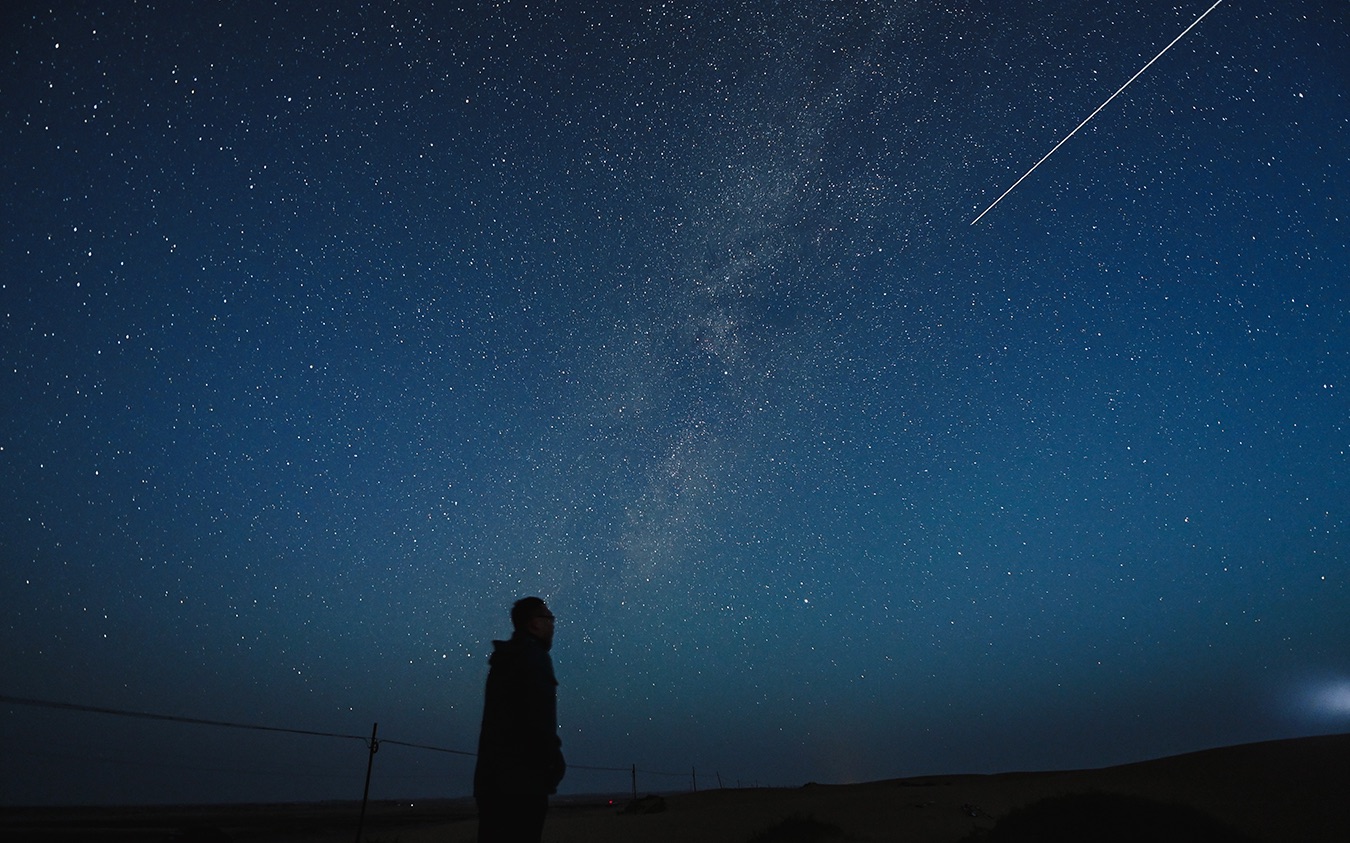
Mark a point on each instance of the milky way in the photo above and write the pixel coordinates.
(325, 335)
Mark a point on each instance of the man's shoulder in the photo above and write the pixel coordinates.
(519, 650)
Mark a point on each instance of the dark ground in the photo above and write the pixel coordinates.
(1291, 790)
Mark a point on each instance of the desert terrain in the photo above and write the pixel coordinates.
(1292, 790)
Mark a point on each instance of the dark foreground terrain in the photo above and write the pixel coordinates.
(1292, 790)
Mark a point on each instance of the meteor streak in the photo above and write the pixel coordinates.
(1099, 108)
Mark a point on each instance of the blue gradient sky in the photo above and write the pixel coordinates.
(326, 334)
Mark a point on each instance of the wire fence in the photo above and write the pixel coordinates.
(372, 742)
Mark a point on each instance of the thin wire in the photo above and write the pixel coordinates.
(571, 766)
(683, 775)
(167, 765)
(424, 746)
(170, 717)
(198, 721)
(1094, 113)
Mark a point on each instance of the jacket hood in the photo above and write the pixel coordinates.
(518, 645)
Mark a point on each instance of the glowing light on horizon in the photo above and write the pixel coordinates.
(1332, 698)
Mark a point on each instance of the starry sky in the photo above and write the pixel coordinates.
(326, 334)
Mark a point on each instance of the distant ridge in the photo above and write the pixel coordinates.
(1275, 791)
(1279, 790)
(1327, 753)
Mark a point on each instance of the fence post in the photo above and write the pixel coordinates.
(693, 778)
(634, 782)
(365, 796)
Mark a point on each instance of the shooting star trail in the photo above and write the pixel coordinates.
(1099, 108)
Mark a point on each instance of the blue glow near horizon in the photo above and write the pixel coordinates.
(317, 355)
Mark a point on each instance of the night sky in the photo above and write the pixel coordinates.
(324, 335)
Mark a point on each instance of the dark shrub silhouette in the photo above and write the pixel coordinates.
(799, 829)
(1108, 818)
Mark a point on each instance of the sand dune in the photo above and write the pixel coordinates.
(1292, 790)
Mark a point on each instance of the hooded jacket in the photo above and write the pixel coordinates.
(518, 746)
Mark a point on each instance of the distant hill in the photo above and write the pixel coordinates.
(1273, 792)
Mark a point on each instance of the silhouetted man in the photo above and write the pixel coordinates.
(520, 760)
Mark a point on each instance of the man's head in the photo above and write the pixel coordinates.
(531, 615)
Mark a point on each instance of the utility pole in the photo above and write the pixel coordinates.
(365, 797)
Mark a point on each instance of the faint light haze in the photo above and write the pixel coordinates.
(326, 334)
